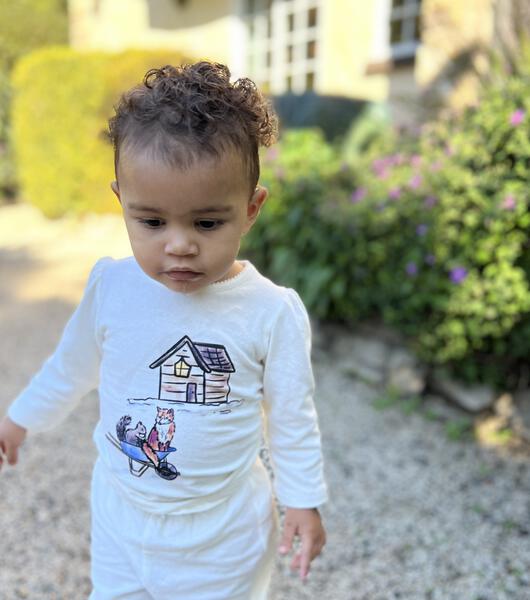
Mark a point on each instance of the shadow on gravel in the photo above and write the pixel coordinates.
(44, 500)
(29, 330)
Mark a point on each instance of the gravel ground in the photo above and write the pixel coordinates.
(412, 514)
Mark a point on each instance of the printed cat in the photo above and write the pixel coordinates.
(160, 435)
(163, 430)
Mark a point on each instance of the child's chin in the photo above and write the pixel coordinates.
(186, 287)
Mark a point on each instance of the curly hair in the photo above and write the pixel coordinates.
(187, 112)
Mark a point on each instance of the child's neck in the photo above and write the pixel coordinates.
(235, 269)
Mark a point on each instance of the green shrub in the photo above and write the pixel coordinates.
(432, 238)
(483, 227)
(62, 100)
(24, 26)
(7, 167)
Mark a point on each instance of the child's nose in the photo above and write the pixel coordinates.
(181, 243)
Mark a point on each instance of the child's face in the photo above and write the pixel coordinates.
(185, 225)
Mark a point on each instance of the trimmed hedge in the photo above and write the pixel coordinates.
(25, 25)
(62, 99)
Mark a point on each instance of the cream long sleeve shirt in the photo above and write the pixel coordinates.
(185, 383)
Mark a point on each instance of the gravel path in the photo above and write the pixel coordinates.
(412, 515)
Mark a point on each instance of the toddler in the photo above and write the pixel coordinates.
(190, 350)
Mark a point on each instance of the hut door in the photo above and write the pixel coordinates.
(191, 392)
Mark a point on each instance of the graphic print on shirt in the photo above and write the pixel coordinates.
(191, 374)
(194, 373)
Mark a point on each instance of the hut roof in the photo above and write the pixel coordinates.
(210, 357)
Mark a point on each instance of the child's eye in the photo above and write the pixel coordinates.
(208, 224)
(151, 223)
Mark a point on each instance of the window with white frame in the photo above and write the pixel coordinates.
(284, 44)
(405, 27)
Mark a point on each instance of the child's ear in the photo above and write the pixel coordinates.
(116, 189)
(254, 206)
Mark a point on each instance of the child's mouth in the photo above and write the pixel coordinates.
(183, 275)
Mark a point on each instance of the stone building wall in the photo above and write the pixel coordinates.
(455, 36)
(444, 72)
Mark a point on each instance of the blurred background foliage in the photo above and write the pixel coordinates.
(424, 230)
(24, 26)
(428, 233)
(62, 101)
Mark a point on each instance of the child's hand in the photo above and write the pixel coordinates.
(307, 525)
(11, 437)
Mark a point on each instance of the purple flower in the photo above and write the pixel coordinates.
(358, 195)
(411, 269)
(382, 166)
(415, 160)
(415, 182)
(394, 193)
(430, 259)
(436, 165)
(458, 274)
(430, 201)
(509, 202)
(422, 229)
(517, 117)
(449, 150)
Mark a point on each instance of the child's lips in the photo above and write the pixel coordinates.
(181, 275)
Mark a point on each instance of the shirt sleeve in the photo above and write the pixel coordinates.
(70, 372)
(292, 424)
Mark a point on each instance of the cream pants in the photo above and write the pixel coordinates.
(225, 553)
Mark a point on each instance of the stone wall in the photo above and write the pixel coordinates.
(380, 358)
(455, 36)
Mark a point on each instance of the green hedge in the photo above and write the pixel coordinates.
(61, 102)
(432, 238)
(25, 25)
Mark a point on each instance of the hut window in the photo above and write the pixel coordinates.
(182, 369)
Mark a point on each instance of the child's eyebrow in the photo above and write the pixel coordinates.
(207, 209)
(143, 208)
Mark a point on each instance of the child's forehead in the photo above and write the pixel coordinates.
(228, 167)
(150, 184)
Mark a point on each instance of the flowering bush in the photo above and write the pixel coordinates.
(432, 237)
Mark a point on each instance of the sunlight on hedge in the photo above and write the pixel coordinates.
(62, 101)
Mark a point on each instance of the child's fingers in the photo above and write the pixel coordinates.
(295, 562)
(286, 543)
(12, 454)
(309, 550)
(305, 558)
